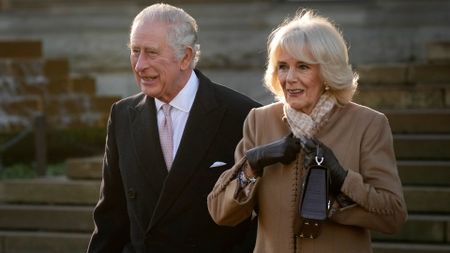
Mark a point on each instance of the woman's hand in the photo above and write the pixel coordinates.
(313, 148)
(284, 151)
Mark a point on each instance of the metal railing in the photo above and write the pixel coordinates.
(39, 129)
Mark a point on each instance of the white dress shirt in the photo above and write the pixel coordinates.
(181, 106)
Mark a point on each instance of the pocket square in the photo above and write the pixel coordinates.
(217, 164)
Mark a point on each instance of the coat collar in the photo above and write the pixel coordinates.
(145, 136)
(201, 128)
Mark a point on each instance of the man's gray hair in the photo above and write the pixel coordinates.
(182, 32)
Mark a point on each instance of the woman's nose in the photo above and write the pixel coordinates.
(290, 76)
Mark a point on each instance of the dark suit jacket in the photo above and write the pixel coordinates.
(145, 209)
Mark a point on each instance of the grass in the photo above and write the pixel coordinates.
(58, 169)
(17, 171)
(26, 171)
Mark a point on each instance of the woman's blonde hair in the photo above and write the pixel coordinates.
(312, 39)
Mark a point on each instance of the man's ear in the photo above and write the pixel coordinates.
(187, 58)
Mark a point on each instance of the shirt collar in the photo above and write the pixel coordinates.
(185, 98)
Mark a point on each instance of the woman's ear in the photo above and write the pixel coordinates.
(187, 58)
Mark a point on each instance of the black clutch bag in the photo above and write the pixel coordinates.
(314, 204)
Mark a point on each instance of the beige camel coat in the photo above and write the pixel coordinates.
(361, 139)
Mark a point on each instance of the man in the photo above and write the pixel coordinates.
(160, 164)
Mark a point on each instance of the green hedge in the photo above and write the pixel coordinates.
(61, 144)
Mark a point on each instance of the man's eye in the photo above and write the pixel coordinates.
(151, 52)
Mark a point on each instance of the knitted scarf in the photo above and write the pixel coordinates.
(303, 125)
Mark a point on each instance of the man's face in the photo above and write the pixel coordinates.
(156, 68)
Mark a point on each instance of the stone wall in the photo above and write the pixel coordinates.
(31, 85)
(232, 34)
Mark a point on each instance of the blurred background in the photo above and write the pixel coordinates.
(63, 63)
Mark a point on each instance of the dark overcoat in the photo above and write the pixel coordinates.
(143, 208)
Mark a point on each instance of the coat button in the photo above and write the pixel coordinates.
(131, 193)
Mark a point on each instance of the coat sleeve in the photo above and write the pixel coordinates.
(224, 205)
(376, 189)
(111, 232)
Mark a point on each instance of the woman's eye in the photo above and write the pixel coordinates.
(303, 66)
(282, 67)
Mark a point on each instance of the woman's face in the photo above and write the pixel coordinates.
(301, 82)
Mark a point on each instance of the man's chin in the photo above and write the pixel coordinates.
(148, 89)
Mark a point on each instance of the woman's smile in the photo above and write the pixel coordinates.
(295, 92)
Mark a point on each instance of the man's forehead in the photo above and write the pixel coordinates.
(148, 38)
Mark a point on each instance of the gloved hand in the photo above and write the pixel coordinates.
(284, 150)
(313, 148)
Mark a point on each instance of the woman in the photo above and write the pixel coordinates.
(309, 73)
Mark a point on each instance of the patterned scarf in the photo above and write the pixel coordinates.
(307, 125)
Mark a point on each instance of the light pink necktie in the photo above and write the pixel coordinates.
(165, 136)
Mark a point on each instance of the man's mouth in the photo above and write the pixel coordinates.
(148, 78)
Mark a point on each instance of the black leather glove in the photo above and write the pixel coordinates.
(284, 151)
(313, 148)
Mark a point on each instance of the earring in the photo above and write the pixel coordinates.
(326, 85)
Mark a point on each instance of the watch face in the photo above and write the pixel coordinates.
(243, 180)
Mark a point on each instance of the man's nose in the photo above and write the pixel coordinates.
(141, 63)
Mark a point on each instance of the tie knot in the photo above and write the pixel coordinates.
(166, 109)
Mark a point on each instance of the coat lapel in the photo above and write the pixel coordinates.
(201, 128)
(146, 142)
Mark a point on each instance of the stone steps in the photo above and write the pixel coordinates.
(79, 219)
(28, 235)
(412, 172)
(427, 199)
(382, 247)
(433, 229)
(54, 215)
(25, 242)
(407, 147)
(404, 96)
(424, 173)
(394, 31)
(421, 142)
(438, 52)
(427, 95)
(422, 146)
(424, 85)
(84, 168)
(43, 242)
(32, 4)
(62, 218)
(404, 73)
(56, 192)
(31, 84)
(49, 191)
(419, 121)
(426, 185)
